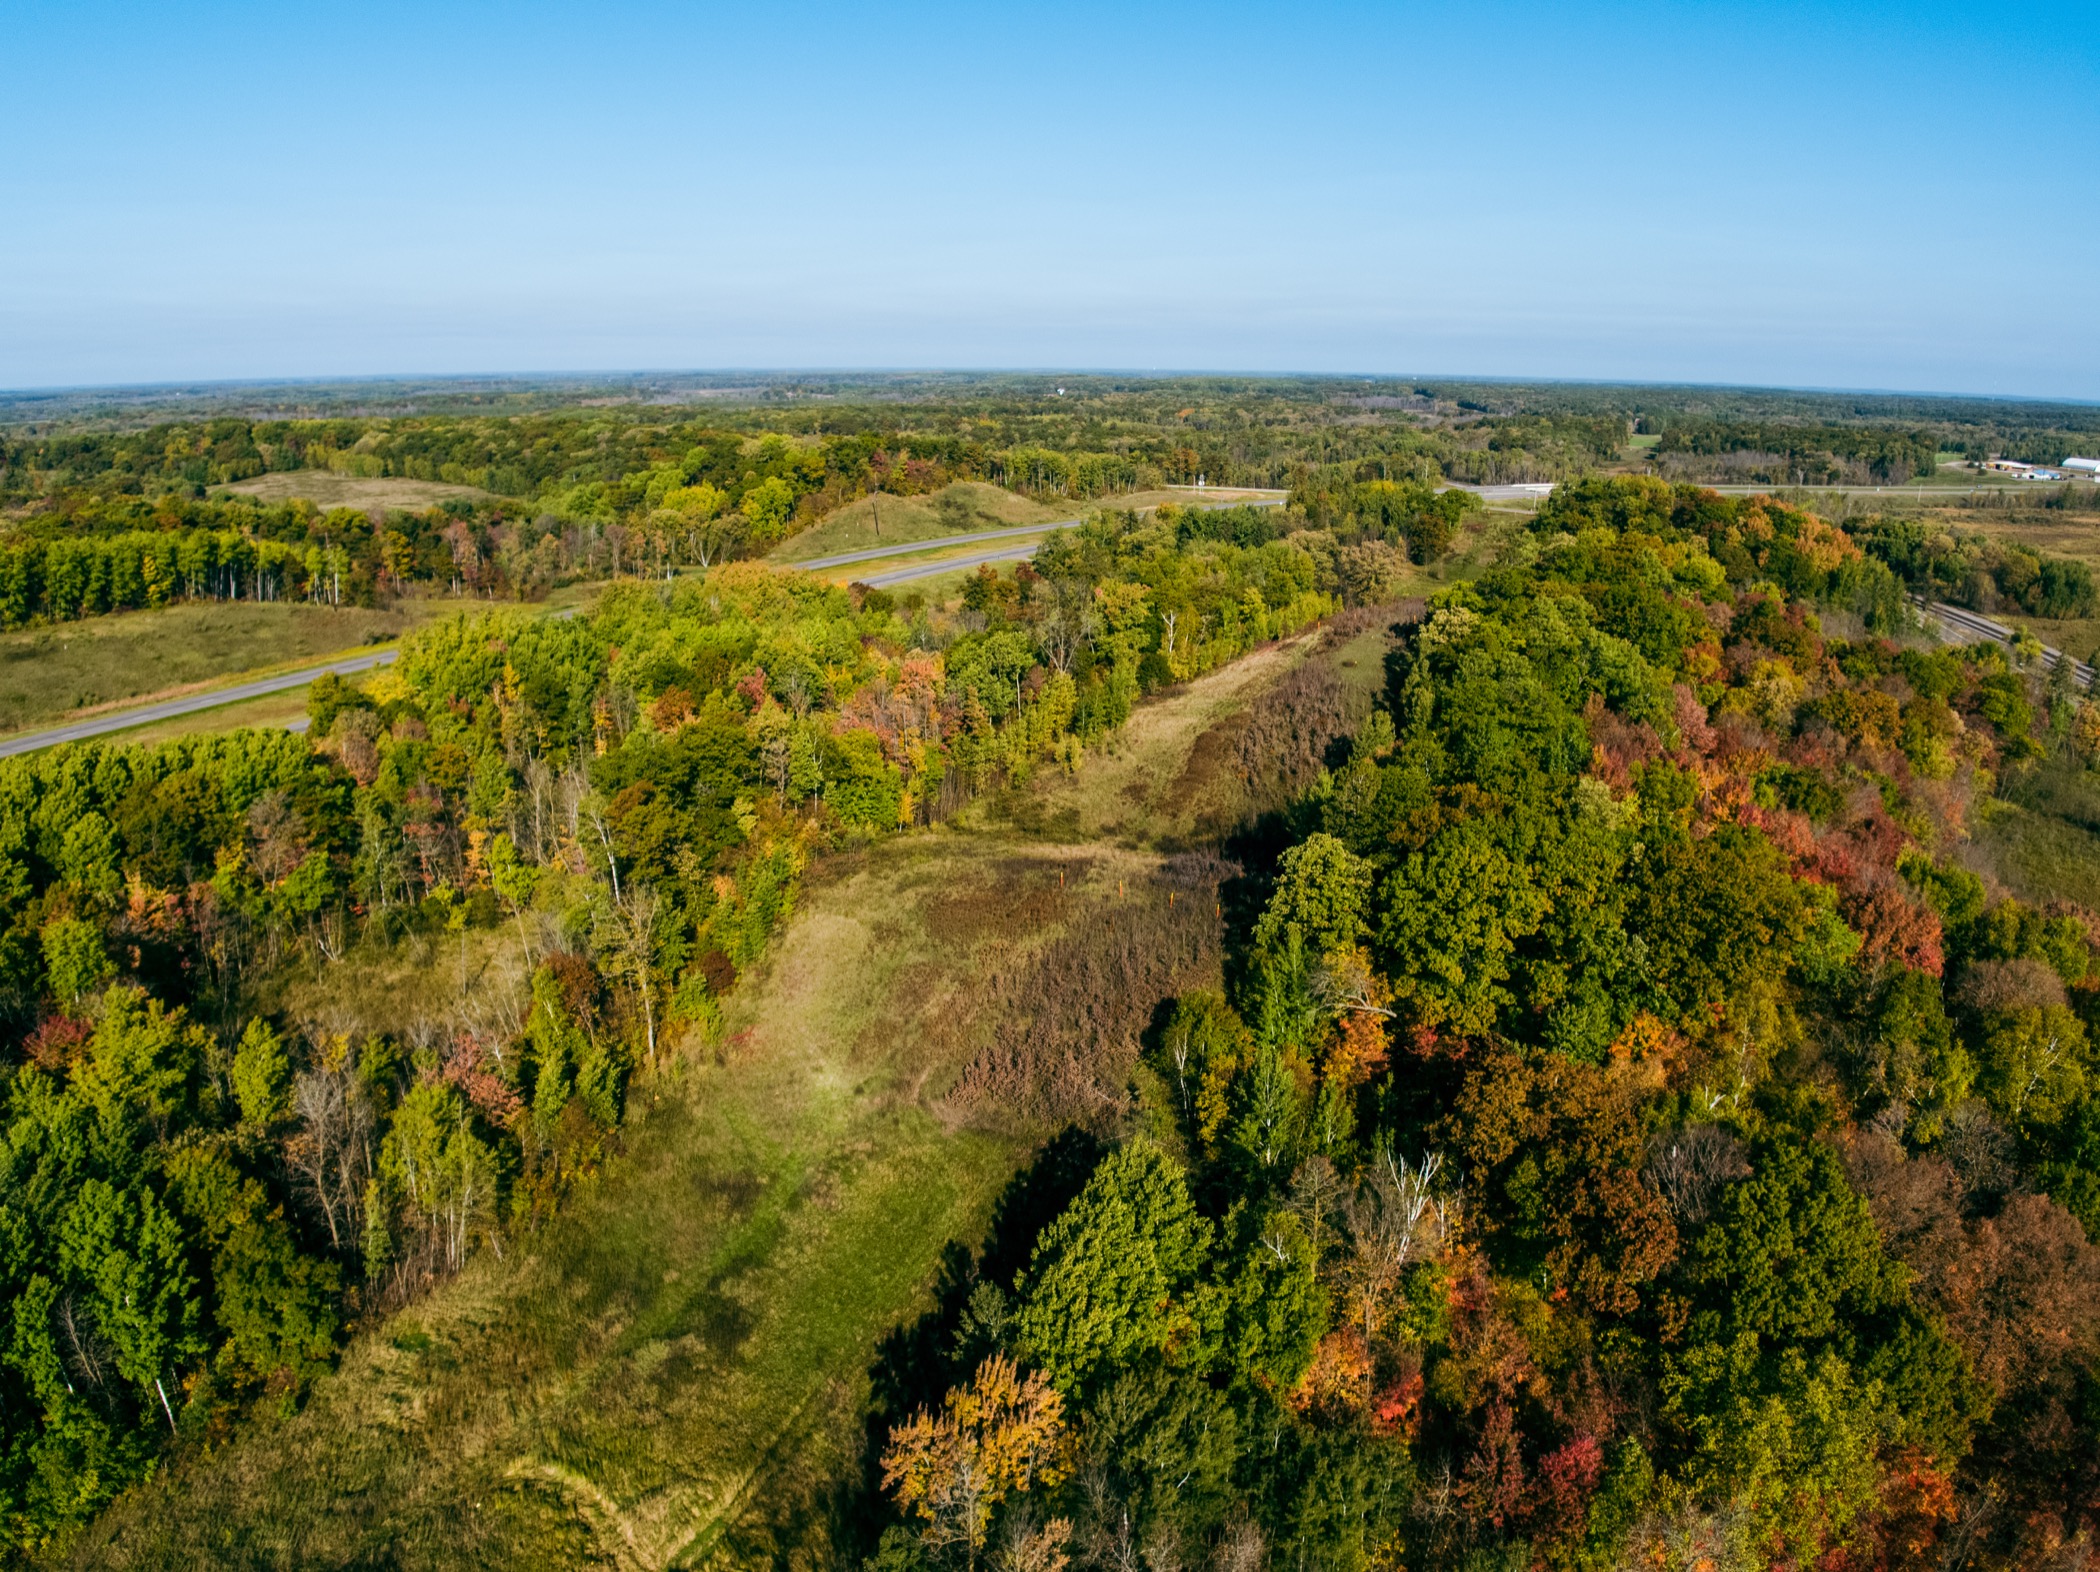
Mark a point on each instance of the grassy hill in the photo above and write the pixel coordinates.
(677, 1373)
(879, 520)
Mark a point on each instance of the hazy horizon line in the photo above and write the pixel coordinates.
(610, 375)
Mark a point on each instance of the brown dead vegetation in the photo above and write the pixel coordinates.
(1069, 1020)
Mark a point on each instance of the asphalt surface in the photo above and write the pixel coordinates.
(926, 570)
(939, 542)
(905, 548)
(189, 704)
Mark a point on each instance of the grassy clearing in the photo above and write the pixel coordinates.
(700, 1316)
(2042, 841)
(1177, 775)
(50, 673)
(1196, 496)
(676, 1374)
(2060, 534)
(327, 489)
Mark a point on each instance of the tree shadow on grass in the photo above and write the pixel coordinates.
(917, 1363)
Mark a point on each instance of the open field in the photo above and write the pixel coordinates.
(675, 1372)
(2062, 534)
(69, 669)
(330, 490)
(1200, 496)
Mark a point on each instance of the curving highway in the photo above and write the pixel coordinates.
(926, 570)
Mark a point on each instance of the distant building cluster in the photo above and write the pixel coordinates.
(2070, 468)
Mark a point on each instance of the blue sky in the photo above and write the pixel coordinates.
(1895, 196)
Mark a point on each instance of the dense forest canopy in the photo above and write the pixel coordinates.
(1628, 1132)
(109, 515)
(1629, 1136)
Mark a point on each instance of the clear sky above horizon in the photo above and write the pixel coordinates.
(1889, 196)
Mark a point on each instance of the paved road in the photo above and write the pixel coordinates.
(938, 542)
(926, 570)
(906, 548)
(168, 709)
(1519, 491)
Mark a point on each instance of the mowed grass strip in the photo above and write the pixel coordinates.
(327, 489)
(710, 1301)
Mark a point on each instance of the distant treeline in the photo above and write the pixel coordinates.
(615, 464)
(1872, 453)
(1795, 455)
(585, 493)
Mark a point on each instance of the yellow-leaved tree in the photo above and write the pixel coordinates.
(1001, 1435)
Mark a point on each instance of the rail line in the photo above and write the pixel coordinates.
(1976, 627)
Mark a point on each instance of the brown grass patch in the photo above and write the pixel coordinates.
(327, 489)
(1017, 895)
(1067, 1022)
